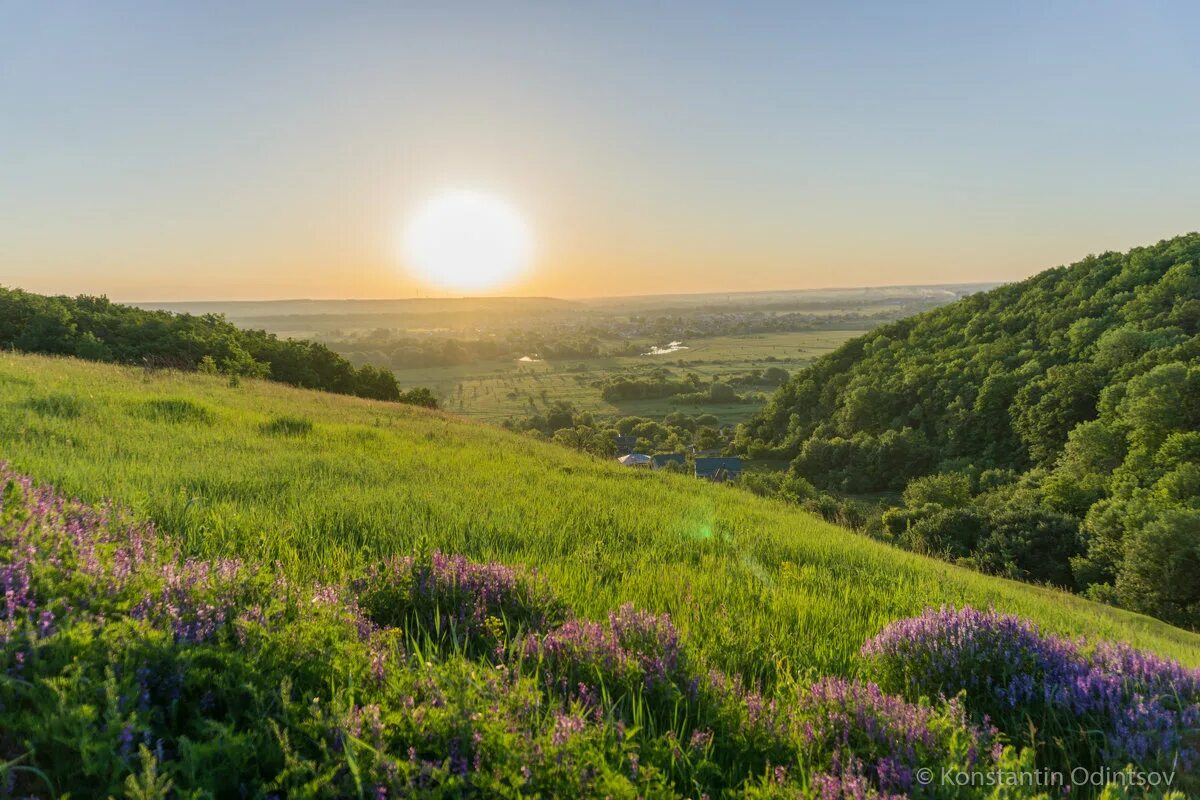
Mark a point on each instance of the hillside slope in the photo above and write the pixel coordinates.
(1061, 414)
(325, 484)
(97, 329)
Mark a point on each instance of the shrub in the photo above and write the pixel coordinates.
(949, 490)
(418, 397)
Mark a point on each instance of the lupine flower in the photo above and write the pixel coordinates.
(859, 742)
(445, 595)
(635, 651)
(847, 780)
(888, 736)
(566, 726)
(1146, 707)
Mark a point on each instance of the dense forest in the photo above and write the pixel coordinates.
(1047, 430)
(97, 329)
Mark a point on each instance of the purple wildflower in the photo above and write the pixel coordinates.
(1146, 707)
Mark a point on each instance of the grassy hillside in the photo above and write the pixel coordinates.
(326, 484)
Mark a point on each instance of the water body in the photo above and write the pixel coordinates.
(672, 347)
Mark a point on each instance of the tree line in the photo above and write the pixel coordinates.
(690, 389)
(677, 432)
(97, 329)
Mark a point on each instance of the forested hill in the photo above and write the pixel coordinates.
(97, 329)
(1061, 413)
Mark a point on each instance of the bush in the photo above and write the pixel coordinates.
(418, 397)
(952, 490)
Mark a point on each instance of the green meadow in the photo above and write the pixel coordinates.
(327, 484)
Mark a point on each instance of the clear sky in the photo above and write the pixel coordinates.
(212, 150)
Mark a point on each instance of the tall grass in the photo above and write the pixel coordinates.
(761, 589)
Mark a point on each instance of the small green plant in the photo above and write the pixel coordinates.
(207, 366)
(148, 785)
(286, 425)
(62, 406)
(178, 410)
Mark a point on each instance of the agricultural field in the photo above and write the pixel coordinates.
(496, 359)
(500, 390)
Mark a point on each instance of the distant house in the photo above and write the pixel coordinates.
(625, 444)
(663, 459)
(710, 451)
(719, 469)
(634, 460)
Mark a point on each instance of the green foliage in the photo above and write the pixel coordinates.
(413, 397)
(1047, 409)
(178, 410)
(287, 425)
(63, 406)
(864, 462)
(658, 384)
(950, 533)
(761, 589)
(951, 490)
(148, 785)
(95, 329)
(1066, 399)
(679, 432)
(127, 666)
(1160, 572)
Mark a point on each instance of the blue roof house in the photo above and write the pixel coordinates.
(719, 469)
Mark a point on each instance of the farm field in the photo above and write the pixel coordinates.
(498, 390)
(762, 589)
(485, 377)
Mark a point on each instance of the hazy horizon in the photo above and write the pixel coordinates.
(160, 153)
(576, 298)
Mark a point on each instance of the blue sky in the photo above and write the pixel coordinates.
(220, 150)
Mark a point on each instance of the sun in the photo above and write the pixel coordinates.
(467, 240)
